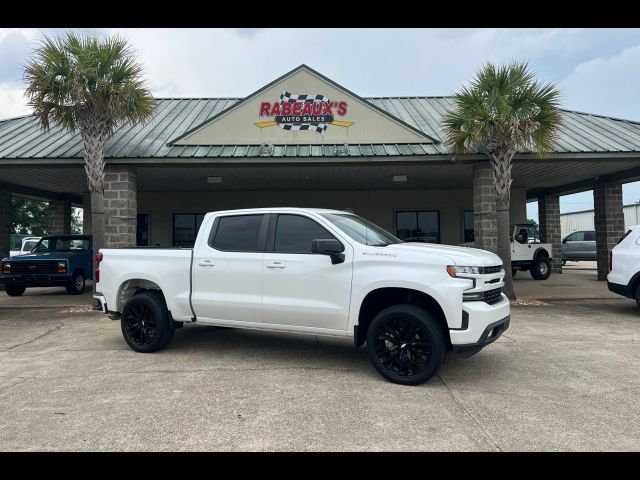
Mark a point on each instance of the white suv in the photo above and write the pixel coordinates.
(624, 278)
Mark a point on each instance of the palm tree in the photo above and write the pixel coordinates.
(91, 86)
(503, 111)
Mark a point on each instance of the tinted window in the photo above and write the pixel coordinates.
(418, 226)
(185, 228)
(576, 237)
(361, 230)
(294, 234)
(590, 236)
(239, 233)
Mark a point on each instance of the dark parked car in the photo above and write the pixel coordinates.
(580, 245)
(65, 260)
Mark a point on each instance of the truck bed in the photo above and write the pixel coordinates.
(168, 268)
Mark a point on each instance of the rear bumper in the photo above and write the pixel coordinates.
(36, 280)
(100, 303)
(490, 334)
(624, 290)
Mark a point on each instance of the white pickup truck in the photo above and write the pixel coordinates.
(312, 271)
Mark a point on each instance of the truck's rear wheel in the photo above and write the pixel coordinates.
(76, 285)
(405, 344)
(145, 323)
(14, 290)
(541, 268)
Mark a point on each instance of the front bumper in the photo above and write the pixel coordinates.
(35, 280)
(490, 334)
(624, 290)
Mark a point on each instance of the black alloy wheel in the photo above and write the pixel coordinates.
(405, 344)
(145, 322)
(140, 325)
(402, 346)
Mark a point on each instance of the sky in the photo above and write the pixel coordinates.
(597, 70)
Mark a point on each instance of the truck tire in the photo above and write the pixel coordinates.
(540, 268)
(14, 290)
(145, 322)
(513, 272)
(405, 344)
(76, 285)
(637, 295)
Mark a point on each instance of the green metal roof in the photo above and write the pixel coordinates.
(22, 138)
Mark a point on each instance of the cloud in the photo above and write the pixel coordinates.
(606, 85)
(12, 101)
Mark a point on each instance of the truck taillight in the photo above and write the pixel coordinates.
(98, 260)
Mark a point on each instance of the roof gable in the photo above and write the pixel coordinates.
(302, 106)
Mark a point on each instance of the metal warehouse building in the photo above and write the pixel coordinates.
(304, 140)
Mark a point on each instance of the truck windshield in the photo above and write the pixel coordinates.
(361, 230)
(62, 244)
(28, 246)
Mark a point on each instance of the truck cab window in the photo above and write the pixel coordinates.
(295, 233)
(238, 233)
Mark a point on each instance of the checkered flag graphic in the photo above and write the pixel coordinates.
(288, 97)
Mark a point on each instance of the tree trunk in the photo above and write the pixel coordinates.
(501, 163)
(94, 139)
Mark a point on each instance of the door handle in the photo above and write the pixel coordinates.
(206, 263)
(276, 265)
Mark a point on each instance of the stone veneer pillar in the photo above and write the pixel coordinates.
(609, 222)
(120, 206)
(5, 225)
(549, 217)
(86, 213)
(59, 218)
(485, 221)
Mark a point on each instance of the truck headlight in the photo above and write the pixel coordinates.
(6, 267)
(458, 270)
(62, 267)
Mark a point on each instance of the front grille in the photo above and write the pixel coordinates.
(494, 269)
(41, 267)
(493, 296)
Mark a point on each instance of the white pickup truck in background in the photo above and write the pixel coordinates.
(624, 277)
(311, 271)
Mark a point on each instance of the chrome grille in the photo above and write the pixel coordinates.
(493, 296)
(41, 267)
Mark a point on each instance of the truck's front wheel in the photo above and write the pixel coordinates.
(405, 344)
(14, 290)
(145, 323)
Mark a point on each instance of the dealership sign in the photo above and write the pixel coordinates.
(303, 112)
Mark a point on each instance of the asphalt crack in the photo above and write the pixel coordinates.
(48, 332)
(475, 420)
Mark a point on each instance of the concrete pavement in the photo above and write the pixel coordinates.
(563, 377)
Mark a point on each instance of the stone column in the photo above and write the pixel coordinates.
(86, 213)
(59, 221)
(120, 206)
(609, 222)
(549, 217)
(5, 225)
(485, 221)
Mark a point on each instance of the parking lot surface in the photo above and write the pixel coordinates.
(563, 377)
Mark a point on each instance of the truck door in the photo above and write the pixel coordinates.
(300, 288)
(520, 246)
(227, 269)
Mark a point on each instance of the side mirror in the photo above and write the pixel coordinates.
(330, 247)
(564, 240)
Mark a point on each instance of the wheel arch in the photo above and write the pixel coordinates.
(541, 251)
(380, 298)
(133, 286)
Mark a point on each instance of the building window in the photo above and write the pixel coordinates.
(467, 226)
(418, 226)
(142, 230)
(185, 228)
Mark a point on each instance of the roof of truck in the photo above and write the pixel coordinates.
(281, 209)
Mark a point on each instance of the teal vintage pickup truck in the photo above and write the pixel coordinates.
(65, 260)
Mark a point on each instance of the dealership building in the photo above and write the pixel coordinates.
(304, 140)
